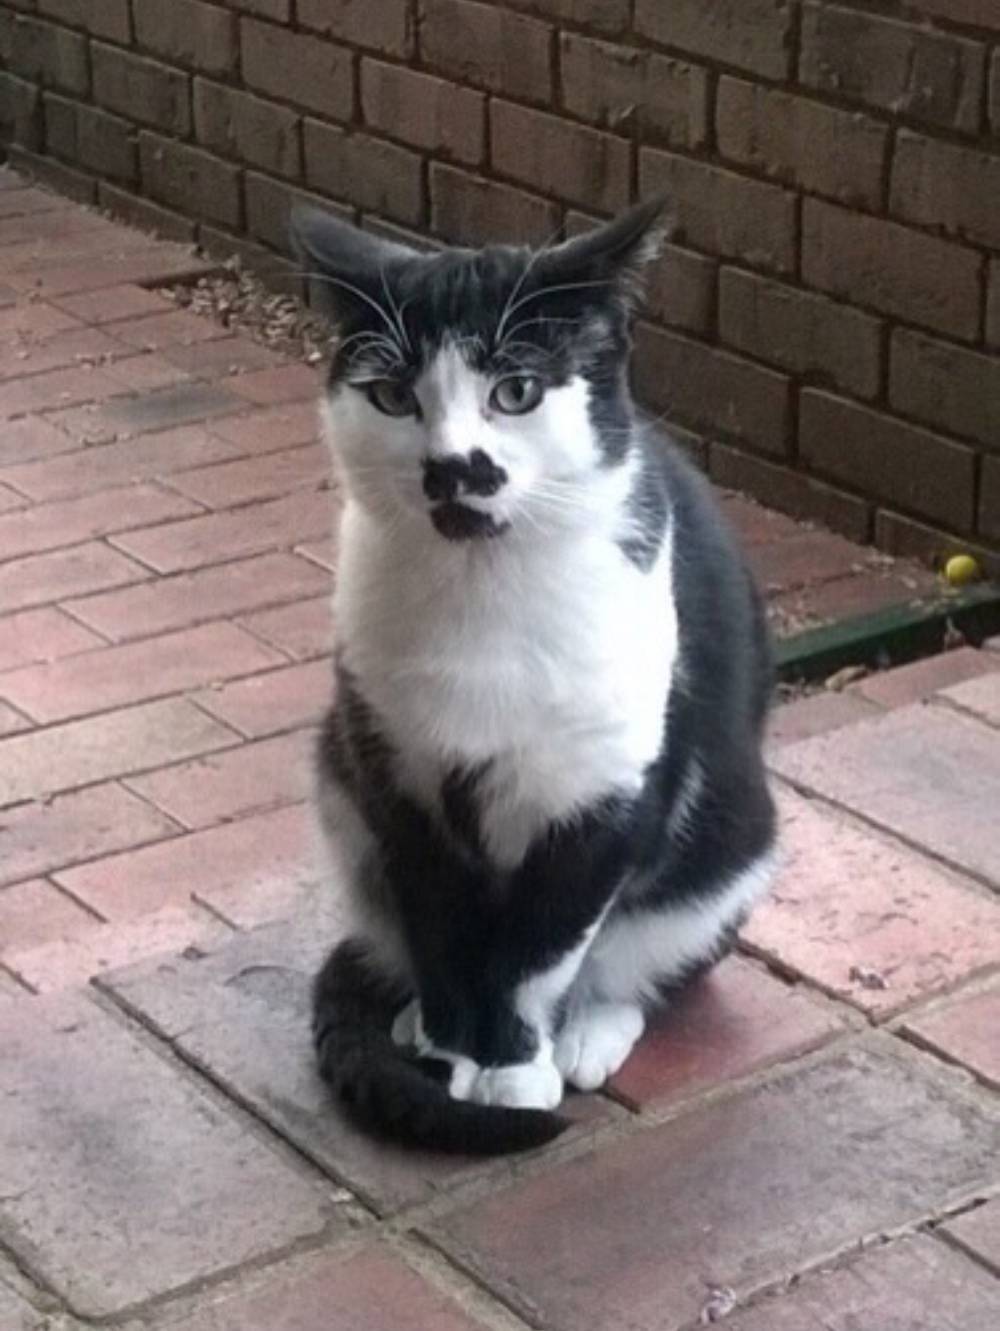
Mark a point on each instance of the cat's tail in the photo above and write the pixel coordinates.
(387, 1094)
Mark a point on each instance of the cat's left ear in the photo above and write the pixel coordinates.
(345, 268)
(616, 253)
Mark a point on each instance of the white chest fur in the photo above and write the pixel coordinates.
(551, 661)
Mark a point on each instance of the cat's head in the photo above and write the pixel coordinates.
(483, 391)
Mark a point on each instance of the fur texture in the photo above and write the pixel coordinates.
(542, 775)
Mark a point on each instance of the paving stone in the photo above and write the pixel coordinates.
(981, 696)
(36, 912)
(57, 574)
(737, 1194)
(916, 682)
(917, 1284)
(234, 783)
(51, 833)
(44, 762)
(11, 722)
(866, 918)
(136, 671)
(109, 1155)
(846, 598)
(16, 1315)
(264, 477)
(814, 714)
(267, 430)
(280, 384)
(41, 635)
(30, 438)
(734, 1022)
(48, 526)
(152, 332)
(280, 700)
(243, 1014)
(370, 1289)
(926, 773)
(112, 303)
(967, 1031)
(323, 552)
(303, 629)
(806, 557)
(177, 602)
(264, 855)
(57, 388)
(979, 1232)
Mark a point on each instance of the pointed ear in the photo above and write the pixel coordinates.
(616, 252)
(345, 268)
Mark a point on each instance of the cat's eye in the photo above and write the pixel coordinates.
(392, 397)
(517, 394)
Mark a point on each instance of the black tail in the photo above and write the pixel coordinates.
(386, 1094)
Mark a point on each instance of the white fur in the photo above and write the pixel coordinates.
(635, 952)
(596, 1041)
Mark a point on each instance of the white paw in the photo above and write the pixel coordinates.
(535, 1085)
(596, 1041)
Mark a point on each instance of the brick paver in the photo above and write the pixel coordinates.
(279, 700)
(37, 912)
(733, 1196)
(979, 696)
(967, 1031)
(16, 1315)
(110, 1157)
(41, 635)
(979, 1232)
(916, 682)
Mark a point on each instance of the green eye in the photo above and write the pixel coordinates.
(517, 394)
(392, 398)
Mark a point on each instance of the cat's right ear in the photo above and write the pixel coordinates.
(345, 268)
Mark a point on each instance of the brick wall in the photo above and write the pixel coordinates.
(825, 325)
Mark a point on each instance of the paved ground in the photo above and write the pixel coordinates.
(811, 1141)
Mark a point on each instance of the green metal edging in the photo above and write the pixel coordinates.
(893, 636)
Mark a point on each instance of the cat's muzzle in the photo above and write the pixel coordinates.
(458, 522)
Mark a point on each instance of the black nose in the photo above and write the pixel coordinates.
(446, 478)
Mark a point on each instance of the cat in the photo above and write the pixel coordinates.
(541, 776)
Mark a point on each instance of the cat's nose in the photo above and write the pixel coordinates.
(449, 478)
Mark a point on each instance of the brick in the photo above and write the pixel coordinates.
(908, 539)
(800, 142)
(613, 85)
(58, 831)
(981, 696)
(14, 1312)
(41, 635)
(219, 537)
(886, 459)
(914, 1283)
(12, 722)
(44, 762)
(945, 385)
(279, 10)
(140, 89)
(993, 305)
(136, 260)
(816, 714)
(101, 18)
(36, 912)
(237, 861)
(75, 347)
(153, 411)
(751, 34)
(135, 672)
(365, 171)
(270, 429)
(21, 112)
(246, 780)
(37, 579)
(914, 71)
(145, 216)
(269, 205)
(191, 180)
(966, 1031)
(267, 704)
(995, 91)
(89, 470)
(944, 186)
(319, 75)
(489, 47)
(57, 388)
(253, 131)
(74, 1066)
(49, 55)
(711, 389)
(722, 212)
(832, 1127)
(881, 264)
(31, 438)
(231, 483)
(575, 162)
(469, 210)
(805, 559)
(859, 914)
(610, 16)
(164, 604)
(800, 331)
(735, 1022)
(222, 357)
(681, 289)
(978, 1232)
(927, 774)
(48, 526)
(278, 384)
(303, 629)
(56, 176)
(861, 593)
(976, 13)
(383, 27)
(111, 303)
(424, 111)
(917, 681)
(188, 32)
(988, 518)
(29, 202)
(329, 1293)
(155, 332)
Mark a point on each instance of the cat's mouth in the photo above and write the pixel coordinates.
(458, 522)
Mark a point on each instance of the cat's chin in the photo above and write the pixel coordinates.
(458, 522)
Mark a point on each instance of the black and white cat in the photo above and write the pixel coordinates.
(541, 777)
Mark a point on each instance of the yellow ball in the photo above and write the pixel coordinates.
(961, 569)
